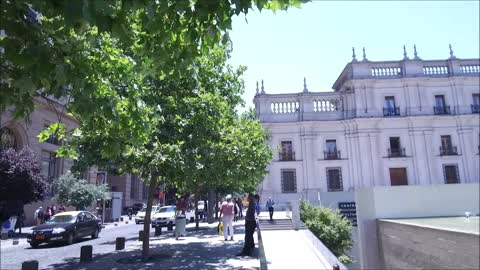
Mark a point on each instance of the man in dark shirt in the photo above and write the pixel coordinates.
(250, 225)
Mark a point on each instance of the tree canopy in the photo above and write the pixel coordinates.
(20, 176)
(72, 191)
(21, 181)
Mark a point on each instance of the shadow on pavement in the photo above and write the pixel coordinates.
(183, 254)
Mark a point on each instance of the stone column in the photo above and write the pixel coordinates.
(467, 150)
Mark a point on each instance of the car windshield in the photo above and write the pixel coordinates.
(154, 209)
(166, 209)
(61, 219)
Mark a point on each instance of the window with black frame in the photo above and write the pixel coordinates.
(334, 179)
(331, 150)
(7, 139)
(451, 174)
(287, 153)
(475, 103)
(440, 106)
(289, 181)
(389, 107)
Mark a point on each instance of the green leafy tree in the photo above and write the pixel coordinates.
(333, 229)
(72, 191)
(21, 180)
(112, 62)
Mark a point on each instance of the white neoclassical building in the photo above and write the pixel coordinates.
(407, 122)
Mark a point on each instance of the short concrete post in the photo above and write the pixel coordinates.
(141, 235)
(120, 243)
(158, 231)
(30, 265)
(86, 253)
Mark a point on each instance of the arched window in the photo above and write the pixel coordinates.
(7, 139)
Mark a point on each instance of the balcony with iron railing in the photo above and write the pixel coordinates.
(395, 111)
(475, 108)
(396, 152)
(286, 156)
(441, 110)
(341, 103)
(332, 155)
(448, 151)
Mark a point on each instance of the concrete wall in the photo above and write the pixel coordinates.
(404, 246)
(407, 202)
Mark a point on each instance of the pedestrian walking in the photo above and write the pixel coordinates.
(240, 207)
(250, 225)
(227, 210)
(53, 209)
(235, 210)
(38, 215)
(47, 214)
(257, 204)
(19, 223)
(269, 205)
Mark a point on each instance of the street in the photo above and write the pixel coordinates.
(202, 249)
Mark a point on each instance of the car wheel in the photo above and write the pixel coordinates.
(34, 244)
(95, 234)
(70, 239)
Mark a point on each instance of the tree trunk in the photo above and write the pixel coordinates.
(146, 226)
(216, 205)
(210, 205)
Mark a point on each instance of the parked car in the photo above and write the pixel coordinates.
(164, 216)
(66, 227)
(140, 216)
(134, 209)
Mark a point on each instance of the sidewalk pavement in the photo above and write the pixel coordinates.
(202, 249)
(22, 239)
(289, 249)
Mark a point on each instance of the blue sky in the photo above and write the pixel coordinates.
(316, 40)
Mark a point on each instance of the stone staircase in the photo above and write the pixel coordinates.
(277, 224)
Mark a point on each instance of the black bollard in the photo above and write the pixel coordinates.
(129, 217)
(15, 242)
(115, 224)
(126, 222)
(120, 243)
(141, 235)
(336, 267)
(86, 253)
(158, 230)
(30, 265)
(170, 227)
(121, 218)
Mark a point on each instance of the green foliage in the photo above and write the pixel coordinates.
(345, 259)
(76, 192)
(333, 229)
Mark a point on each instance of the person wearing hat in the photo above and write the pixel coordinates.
(227, 210)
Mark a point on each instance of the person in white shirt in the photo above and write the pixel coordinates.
(227, 210)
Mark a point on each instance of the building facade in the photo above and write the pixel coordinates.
(408, 122)
(20, 133)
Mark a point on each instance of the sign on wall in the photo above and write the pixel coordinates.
(349, 210)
